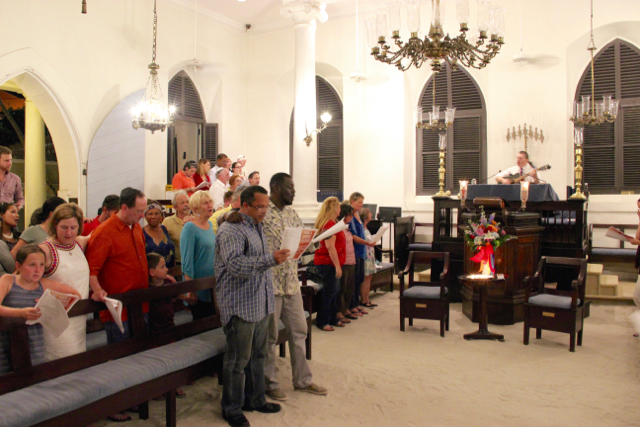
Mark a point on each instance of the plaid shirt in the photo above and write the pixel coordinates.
(285, 276)
(11, 190)
(243, 271)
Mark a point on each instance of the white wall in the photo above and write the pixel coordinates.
(116, 156)
(92, 62)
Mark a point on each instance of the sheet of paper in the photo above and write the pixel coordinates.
(53, 316)
(340, 226)
(115, 308)
(203, 184)
(614, 233)
(67, 300)
(297, 240)
(375, 238)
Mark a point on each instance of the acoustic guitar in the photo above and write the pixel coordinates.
(516, 178)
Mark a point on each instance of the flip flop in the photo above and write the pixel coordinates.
(338, 324)
(369, 305)
(324, 328)
(119, 420)
(350, 316)
(344, 320)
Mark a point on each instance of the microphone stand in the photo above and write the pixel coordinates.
(489, 177)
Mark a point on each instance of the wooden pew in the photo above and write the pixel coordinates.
(613, 255)
(25, 375)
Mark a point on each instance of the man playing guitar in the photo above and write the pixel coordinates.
(523, 167)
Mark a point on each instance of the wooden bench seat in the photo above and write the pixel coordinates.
(84, 388)
(612, 255)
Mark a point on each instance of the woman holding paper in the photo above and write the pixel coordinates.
(65, 263)
(328, 259)
(369, 262)
(202, 174)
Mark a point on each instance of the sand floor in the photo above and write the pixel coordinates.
(379, 376)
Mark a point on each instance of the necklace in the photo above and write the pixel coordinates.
(8, 236)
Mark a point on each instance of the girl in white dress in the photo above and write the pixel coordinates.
(65, 263)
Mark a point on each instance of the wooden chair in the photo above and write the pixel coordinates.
(425, 300)
(553, 309)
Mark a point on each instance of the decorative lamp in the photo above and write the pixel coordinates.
(442, 144)
(326, 118)
(578, 139)
(463, 193)
(462, 14)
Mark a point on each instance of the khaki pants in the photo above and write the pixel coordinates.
(290, 310)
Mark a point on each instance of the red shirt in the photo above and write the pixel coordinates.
(181, 181)
(198, 179)
(321, 256)
(88, 227)
(117, 256)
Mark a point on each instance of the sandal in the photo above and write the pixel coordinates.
(368, 304)
(180, 394)
(350, 316)
(344, 320)
(338, 324)
(327, 328)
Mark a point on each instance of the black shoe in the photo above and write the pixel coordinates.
(267, 408)
(236, 420)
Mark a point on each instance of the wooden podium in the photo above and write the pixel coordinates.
(516, 259)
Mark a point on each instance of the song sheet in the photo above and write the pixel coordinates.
(115, 308)
(53, 311)
(340, 226)
(297, 240)
(203, 184)
(614, 233)
(376, 237)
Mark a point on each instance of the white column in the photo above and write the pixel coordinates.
(305, 13)
(35, 190)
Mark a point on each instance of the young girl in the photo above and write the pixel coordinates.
(161, 314)
(18, 295)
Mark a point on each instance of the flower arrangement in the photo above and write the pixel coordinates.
(484, 235)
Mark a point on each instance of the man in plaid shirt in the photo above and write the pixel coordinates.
(244, 291)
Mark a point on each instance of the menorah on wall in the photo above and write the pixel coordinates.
(526, 134)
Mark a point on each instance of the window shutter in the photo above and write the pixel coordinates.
(330, 140)
(466, 141)
(210, 142)
(611, 153)
(184, 96)
(631, 147)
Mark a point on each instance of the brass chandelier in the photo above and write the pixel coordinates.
(437, 47)
(590, 112)
(152, 113)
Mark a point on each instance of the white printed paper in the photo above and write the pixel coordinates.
(614, 233)
(115, 308)
(203, 184)
(53, 311)
(379, 234)
(297, 240)
(340, 226)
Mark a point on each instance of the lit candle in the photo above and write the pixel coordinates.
(463, 189)
(524, 191)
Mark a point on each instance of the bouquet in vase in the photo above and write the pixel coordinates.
(484, 235)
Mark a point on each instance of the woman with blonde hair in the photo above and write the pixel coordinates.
(197, 248)
(328, 259)
(64, 262)
(202, 174)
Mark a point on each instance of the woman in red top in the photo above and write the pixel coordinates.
(328, 259)
(202, 174)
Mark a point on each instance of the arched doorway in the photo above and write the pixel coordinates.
(192, 137)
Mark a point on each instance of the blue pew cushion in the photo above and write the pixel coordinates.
(58, 396)
(424, 292)
(627, 253)
(552, 301)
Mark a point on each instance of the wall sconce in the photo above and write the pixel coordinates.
(524, 194)
(326, 118)
(527, 134)
(463, 194)
(84, 6)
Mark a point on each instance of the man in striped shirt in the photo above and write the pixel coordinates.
(244, 291)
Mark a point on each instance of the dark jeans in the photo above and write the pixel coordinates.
(355, 301)
(243, 376)
(113, 332)
(330, 287)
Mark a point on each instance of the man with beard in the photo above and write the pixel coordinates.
(287, 295)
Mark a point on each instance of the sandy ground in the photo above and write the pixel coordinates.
(379, 376)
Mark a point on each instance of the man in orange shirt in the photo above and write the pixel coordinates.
(183, 180)
(117, 259)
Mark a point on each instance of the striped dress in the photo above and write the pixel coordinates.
(18, 297)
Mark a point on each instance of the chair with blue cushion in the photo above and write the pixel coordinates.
(561, 309)
(425, 300)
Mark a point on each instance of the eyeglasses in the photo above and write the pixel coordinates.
(260, 208)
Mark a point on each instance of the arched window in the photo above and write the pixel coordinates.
(466, 154)
(611, 157)
(191, 138)
(330, 142)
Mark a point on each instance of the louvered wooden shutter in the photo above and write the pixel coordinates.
(612, 150)
(466, 142)
(330, 140)
(210, 142)
(184, 96)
